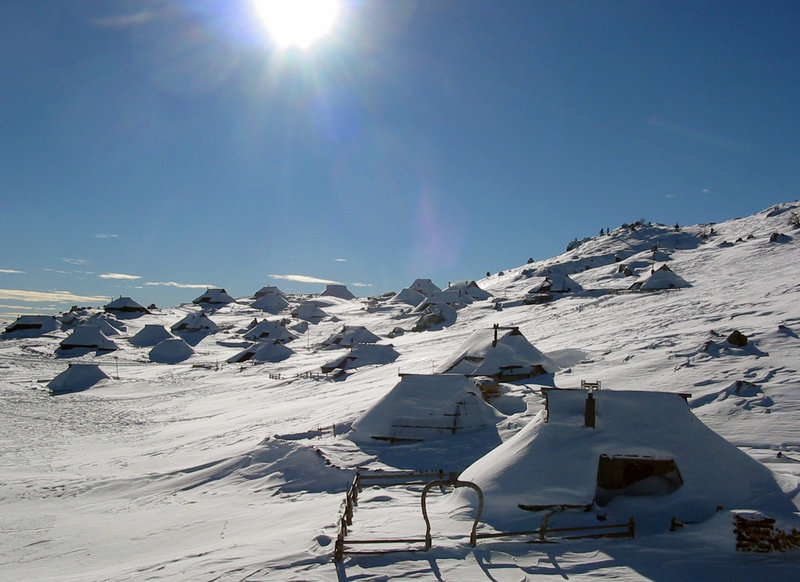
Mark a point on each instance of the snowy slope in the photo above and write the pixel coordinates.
(204, 470)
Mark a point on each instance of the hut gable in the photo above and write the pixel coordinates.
(622, 454)
(125, 306)
(469, 288)
(661, 278)
(423, 407)
(499, 352)
(30, 326)
(77, 377)
(89, 337)
(349, 336)
(425, 287)
(195, 322)
(214, 297)
(340, 291)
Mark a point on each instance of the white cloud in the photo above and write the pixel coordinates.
(11, 271)
(104, 235)
(180, 285)
(361, 284)
(341, 260)
(41, 296)
(119, 276)
(75, 261)
(305, 279)
(19, 308)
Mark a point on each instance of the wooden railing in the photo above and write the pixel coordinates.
(343, 545)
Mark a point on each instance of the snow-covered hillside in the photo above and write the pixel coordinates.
(203, 469)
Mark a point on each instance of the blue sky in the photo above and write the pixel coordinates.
(153, 147)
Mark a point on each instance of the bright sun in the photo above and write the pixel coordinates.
(297, 23)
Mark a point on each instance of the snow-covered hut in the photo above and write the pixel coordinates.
(107, 323)
(268, 290)
(340, 291)
(171, 351)
(555, 283)
(452, 297)
(424, 286)
(88, 336)
(214, 297)
(661, 278)
(272, 330)
(363, 355)
(409, 297)
(195, 322)
(503, 353)
(618, 454)
(76, 377)
(310, 312)
(30, 326)
(150, 335)
(349, 336)
(423, 407)
(125, 307)
(469, 288)
(271, 303)
(268, 351)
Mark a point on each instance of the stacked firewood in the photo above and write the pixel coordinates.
(756, 533)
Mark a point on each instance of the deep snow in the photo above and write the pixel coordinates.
(203, 470)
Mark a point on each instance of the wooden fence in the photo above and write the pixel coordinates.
(433, 479)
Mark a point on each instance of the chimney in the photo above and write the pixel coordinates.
(588, 413)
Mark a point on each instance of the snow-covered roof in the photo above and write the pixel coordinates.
(423, 407)
(269, 329)
(555, 460)
(88, 336)
(107, 322)
(424, 286)
(125, 305)
(363, 355)
(498, 352)
(271, 303)
(150, 335)
(30, 326)
(76, 377)
(340, 291)
(661, 278)
(268, 290)
(196, 321)
(171, 351)
(556, 283)
(269, 351)
(409, 297)
(309, 312)
(470, 288)
(214, 297)
(447, 297)
(350, 335)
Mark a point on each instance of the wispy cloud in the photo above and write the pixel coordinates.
(16, 308)
(11, 271)
(305, 279)
(52, 296)
(75, 261)
(104, 235)
(361, 284)
(697, 135)
(180, 285)
(122, 276)
(341, 260)
(124, 20)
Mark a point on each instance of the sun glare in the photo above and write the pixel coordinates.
(297, 23)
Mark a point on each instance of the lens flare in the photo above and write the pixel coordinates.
(298, 23)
